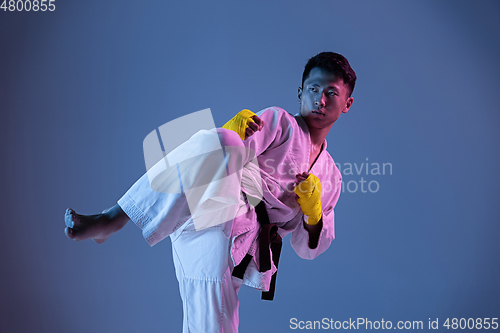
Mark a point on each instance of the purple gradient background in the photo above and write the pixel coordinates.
(81, 87)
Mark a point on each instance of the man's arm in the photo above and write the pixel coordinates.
(302, 238)
(314, 232)
(308, 190)
(245, 124)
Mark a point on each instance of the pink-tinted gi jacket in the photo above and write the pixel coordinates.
(283, 149)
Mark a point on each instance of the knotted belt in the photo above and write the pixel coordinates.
(268, 239)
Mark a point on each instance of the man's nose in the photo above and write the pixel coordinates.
(321, 101)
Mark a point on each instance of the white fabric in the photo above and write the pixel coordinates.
(203, 267)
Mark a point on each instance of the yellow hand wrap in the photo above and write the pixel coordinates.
(240, 122)
(309, 192)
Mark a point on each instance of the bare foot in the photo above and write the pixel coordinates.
(99, 227)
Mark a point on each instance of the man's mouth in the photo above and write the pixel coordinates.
(318, 112)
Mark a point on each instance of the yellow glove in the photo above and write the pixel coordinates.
(309, 192)
(240, 122)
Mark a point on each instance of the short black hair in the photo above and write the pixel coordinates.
(334, 63)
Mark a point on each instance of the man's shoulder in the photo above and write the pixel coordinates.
(276, 111)
(278, 118)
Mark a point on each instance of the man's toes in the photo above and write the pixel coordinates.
(76, 234)
(81, 227)
(71, 233)
(72, 219)
(68, 218)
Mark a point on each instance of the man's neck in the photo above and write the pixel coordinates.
(318, 136)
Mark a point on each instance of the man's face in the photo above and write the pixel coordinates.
(323, 98)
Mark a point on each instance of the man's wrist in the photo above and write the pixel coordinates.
(314, 232)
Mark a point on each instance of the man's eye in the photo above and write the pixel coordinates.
(313, 89)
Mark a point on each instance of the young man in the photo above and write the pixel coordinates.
(298, 183)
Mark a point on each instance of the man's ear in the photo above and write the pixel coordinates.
(348, 104)
(299, 93)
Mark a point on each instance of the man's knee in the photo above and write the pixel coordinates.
(229, 138)
(203, 254)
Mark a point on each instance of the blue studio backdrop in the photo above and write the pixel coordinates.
(81, 86)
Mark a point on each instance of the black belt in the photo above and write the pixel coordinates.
(268, 239)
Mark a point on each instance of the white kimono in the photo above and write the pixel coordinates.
(282, 150)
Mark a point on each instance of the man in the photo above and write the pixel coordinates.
(299, 189)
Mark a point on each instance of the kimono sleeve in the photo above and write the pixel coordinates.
(331, 187)
(277, 129)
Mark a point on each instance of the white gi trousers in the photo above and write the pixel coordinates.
(203, 267)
